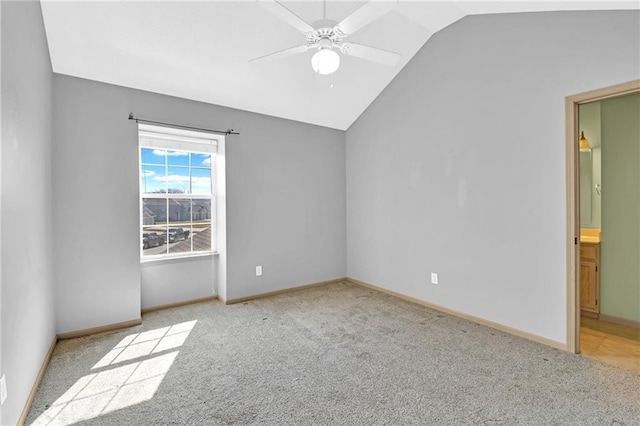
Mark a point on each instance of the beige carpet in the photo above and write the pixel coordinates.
(337, 354)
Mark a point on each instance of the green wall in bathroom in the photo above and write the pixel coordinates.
(620, 247)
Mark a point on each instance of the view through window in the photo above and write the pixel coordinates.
(177, 192)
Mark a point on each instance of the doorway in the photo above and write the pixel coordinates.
(576, 269)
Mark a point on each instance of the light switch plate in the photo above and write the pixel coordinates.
(3, 389)
(258, 271)
(434, 278)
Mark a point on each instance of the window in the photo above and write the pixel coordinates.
(177, 192)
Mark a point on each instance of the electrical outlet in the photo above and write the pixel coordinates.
(434, 278)
(258, 271)
(3, 389)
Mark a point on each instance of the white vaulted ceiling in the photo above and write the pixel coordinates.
(201, 50)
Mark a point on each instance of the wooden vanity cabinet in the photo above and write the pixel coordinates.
(590, 279)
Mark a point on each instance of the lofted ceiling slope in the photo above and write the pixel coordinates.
(201, 50)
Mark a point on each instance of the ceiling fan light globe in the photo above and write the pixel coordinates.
(325, 61)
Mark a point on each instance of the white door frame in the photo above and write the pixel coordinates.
(572, 104)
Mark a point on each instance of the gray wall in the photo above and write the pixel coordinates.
(620, 254)
(28, 320)
(458, 167)
(175, 280)
(285, 202)
(95, 208)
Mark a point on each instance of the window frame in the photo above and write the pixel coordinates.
(191, 142)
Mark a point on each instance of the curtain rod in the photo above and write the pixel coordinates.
(180, 126)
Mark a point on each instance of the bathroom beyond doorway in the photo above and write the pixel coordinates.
(618, 302)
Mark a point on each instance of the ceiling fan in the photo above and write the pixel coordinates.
(328, 37)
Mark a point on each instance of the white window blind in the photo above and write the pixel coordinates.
(176, 139)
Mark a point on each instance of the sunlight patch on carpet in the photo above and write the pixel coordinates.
(147, 343)
(132, 382)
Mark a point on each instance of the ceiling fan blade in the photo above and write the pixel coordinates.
(281, 11)
(381, 56)
(367, 13)
(283, 53)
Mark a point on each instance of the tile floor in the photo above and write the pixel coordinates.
(614, 344)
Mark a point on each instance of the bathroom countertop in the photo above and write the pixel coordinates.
(589, 239)
(590, 235)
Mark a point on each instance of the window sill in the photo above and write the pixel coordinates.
(178, 258)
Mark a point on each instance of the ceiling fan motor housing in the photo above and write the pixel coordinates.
(333, 35)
